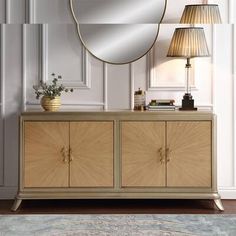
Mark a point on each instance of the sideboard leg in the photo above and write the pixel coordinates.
(219, 204)
(16, 204)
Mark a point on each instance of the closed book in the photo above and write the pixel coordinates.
(165, 104)
(169, 109)
(162, 107)
(165, 101)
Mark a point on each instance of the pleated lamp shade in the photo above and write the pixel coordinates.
(201, 14)
(188, 43)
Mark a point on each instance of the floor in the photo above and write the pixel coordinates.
(118, 207)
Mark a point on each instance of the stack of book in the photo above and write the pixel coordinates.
(162, 105)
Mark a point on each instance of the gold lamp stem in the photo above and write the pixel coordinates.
(188, 102)
(188, 68)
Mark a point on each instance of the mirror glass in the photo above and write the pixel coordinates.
(118, 31)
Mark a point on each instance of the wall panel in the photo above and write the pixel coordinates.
(2, 80)
(12, 99)
(53, 11)
(2, 11)
(140, 74)
(174, 11)
(234, 102)
(118, 88)
(223, 103)
(225, 9)
(44, 47)
(232, 191)
(31, 51)
(16, 11)
(63, 44)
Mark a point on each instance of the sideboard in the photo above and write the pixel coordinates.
(117, 155)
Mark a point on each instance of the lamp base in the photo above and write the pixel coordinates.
(188, 103)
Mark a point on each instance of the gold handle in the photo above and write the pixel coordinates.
(71, 158)
(162, 156)
(64, 154)
(168, 152)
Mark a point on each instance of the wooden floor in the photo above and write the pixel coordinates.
(118, 207)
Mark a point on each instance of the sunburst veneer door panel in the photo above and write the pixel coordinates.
(92, 153)
(143, 156)
(190, 146)
(43, 164)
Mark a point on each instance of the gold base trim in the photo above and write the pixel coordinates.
(114, 195)
(59, 195)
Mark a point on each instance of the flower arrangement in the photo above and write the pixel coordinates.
(51, 93)
(51, 90)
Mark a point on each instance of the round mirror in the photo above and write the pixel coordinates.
(118, 31)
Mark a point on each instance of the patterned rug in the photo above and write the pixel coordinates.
(166, 225)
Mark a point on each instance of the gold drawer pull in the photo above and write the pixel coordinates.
(162, 156)
(64, 154)
(70, 154)
(168, 152)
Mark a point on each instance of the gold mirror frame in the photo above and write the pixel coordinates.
(82, 41)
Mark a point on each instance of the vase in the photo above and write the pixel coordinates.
(50, 104)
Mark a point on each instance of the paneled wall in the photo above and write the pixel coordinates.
(11, 103)
(31, 52)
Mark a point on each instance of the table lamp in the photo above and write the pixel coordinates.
(188, 43)
(201, 14)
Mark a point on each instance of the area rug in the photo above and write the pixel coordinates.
(166, 225)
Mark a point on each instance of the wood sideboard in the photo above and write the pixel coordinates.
(117, 154)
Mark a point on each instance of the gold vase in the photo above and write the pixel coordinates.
(49, 104)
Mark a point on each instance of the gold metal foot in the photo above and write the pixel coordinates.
(16, 204)
(219, 204)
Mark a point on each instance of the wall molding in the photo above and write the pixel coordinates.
(43, 53)
(26, 12)
(31, 11)
(24, 67)
(213, 48)
(232, 72)
(8, 192)
(86, 78)
(171, 88)
(231, 11)
(105, 87)
(7, 11)
(2, 102)
(234, 98)
(131, 71)
(227, 192)
(43, 64)
(152, 74)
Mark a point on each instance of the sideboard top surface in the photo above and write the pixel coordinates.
(118, 115)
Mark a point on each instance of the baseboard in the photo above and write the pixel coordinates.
(8, 192)
(227, 192)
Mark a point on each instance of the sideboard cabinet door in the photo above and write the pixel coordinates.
(143, 153)
(91, 145)
(45, 147)
(190, 154)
